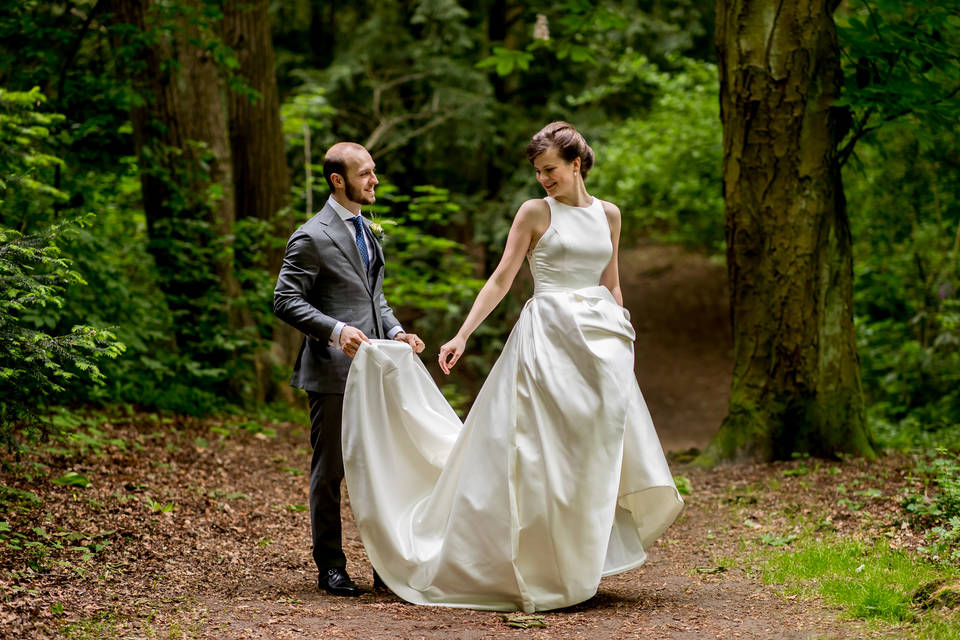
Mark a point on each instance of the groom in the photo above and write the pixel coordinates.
(330, 288)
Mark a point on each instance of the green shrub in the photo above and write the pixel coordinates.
(36, 364)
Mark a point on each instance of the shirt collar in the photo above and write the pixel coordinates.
(344, 213)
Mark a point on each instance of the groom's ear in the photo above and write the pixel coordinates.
(337, 180)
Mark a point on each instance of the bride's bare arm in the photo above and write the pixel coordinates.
(529, 224)
(611, 275)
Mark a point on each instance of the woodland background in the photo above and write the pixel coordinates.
(155, 155)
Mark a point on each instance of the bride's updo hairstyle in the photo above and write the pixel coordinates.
(568, 141)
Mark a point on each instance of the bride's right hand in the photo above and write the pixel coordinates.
(451, 352)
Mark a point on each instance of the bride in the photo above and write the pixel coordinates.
(556, 477)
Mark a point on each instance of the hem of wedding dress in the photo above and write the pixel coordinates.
(408, 593)
(414, 596)
(658, 530)
(626, 567)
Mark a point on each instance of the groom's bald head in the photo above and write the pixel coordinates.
(340, 158)
(350, 173)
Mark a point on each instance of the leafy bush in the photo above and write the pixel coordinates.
(904, 204)
(938, 512)
(663, 169)
(35, 364)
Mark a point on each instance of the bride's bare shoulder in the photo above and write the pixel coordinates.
(612, 210)
(534, 213)
(534, 206)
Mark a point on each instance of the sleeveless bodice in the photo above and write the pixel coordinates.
(574, 250)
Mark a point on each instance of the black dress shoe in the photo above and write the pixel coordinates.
(337, 582)
(378, 584)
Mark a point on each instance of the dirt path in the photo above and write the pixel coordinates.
(198, 529)
(679, 306)
(230, 557)
(672, 597)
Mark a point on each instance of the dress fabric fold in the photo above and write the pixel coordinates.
(556, 477)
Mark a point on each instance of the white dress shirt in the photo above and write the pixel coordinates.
(346, 215)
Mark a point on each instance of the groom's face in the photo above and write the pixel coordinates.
(361, 180)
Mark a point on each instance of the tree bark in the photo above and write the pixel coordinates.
(796, 381)
(260, 171)
(180, 133)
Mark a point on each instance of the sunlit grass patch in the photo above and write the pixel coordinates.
(867, 580)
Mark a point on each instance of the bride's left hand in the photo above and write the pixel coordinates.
(451, 352)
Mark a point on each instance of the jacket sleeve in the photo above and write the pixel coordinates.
(301, 265)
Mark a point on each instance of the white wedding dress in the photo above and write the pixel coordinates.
(555, 479)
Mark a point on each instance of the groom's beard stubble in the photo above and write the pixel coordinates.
(355, 194)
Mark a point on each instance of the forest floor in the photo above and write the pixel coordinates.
(198, 528)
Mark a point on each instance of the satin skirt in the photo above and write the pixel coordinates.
(555, 479)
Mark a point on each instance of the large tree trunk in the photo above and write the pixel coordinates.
(796, 381)
(180, 132)
(260, 170)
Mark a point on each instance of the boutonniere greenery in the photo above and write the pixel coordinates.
(376, 225)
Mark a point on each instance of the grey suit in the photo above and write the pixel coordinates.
(323, 281)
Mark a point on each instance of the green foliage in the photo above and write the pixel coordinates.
(425, 270)
(663, 168)
(946, 473)
(684, 486)
(35, 364)
(900, 58)
(901, 66)
(73, 479)
(938, 514)
(905, 214)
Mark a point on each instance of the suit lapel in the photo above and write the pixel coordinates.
(337, 231)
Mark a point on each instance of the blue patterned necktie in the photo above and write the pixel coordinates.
(361, 242)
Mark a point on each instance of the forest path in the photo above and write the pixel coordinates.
(679, 307)
(678, 303)
(231, 558)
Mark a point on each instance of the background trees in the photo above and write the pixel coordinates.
(789, 248)
(193, 130)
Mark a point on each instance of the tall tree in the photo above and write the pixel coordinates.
(796, 381)
(260, 173)
(181, 134)
(261, 176)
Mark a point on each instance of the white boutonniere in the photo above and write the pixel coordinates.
(377, 224)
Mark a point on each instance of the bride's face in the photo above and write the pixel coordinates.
(557, 176)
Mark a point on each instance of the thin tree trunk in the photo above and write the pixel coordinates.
(796, 382)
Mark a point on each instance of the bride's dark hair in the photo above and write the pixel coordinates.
(568, 141)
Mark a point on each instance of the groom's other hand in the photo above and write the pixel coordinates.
(411, 339)
(350, 339)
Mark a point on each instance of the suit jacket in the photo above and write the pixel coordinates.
(323, 281)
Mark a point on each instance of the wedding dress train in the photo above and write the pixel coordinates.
(556, 477)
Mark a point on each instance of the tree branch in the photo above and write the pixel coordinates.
(416, 132)
(862, 128)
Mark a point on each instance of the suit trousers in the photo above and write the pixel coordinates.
(326, 473)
